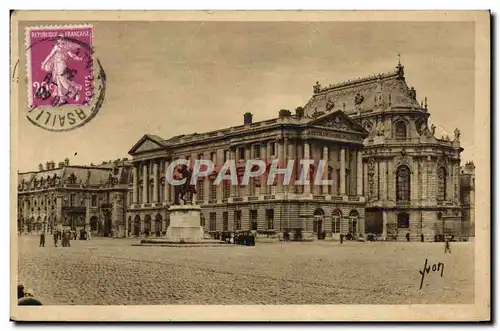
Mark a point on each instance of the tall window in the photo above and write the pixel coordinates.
(200, 190)
(403, 184)
(403, 220)
(241, 153)
(253, 219)
(213, 190)
(270, 219)
(256, 151)
(237, 220)
(353, 221)
(441, 193)
(400, 130)
(336, 219)
(72, 199)
(226, 189)
(225, 221)
(212, 218)
(202, 221)
(272, 149)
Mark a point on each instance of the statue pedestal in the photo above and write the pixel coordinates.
(184, 230)
(185, 223)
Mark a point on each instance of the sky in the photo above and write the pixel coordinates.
(171, 78)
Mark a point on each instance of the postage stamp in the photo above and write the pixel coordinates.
(61, 78)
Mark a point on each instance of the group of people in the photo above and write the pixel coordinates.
(65, 236)
(239, 238)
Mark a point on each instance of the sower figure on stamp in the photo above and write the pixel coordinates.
(56, 65)
(183, 189)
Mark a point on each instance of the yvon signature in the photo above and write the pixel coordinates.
(427, 269)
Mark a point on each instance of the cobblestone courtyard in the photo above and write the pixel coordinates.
(112, 272)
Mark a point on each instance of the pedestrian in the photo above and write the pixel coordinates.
(20, 291)
(88, 234)
(447, 246)
(422, 237)
(407, 236)
(42, 239)
(341, 238)
(55, 235)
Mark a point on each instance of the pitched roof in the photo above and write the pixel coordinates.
(386, 90)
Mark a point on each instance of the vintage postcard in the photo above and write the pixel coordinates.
(250, 166)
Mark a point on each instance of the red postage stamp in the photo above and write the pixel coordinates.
(60, 71)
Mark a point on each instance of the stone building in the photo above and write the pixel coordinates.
(467, 197)
(411, 178)
(75, 197)
(313, 209)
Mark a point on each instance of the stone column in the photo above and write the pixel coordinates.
(307, 188)
(342, 171)
(248, 189)
(383, 180)
(281, 159)
(88, 201)
(233, 190)
(166, 187)
(145, 184)
(220, 163)
(325, 170)
(291, 156)
(384, 225)
(135, 194)
(155, 181)
(206, 180)
(263, 178)
(359, 174)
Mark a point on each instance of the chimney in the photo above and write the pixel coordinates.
(284, 113)
(47, 165)
(247, 118)
(299, 112)
(66, 162)
(40, 167)
(61, 164)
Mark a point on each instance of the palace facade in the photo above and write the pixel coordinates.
(315, 210)
(389, 174)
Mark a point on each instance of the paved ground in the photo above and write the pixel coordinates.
(112, 272)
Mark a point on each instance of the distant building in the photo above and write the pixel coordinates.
(75, 197)
(467, 197)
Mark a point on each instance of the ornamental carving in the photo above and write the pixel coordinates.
(335, 123)
(317, 87)
(358, 99)
(330, 104)
(371, 175)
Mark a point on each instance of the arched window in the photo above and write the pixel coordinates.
(336, 219)
(403, 184)
(318, 220)
(403, 220)
(400, 130)
(353, 221)
(441, 182)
